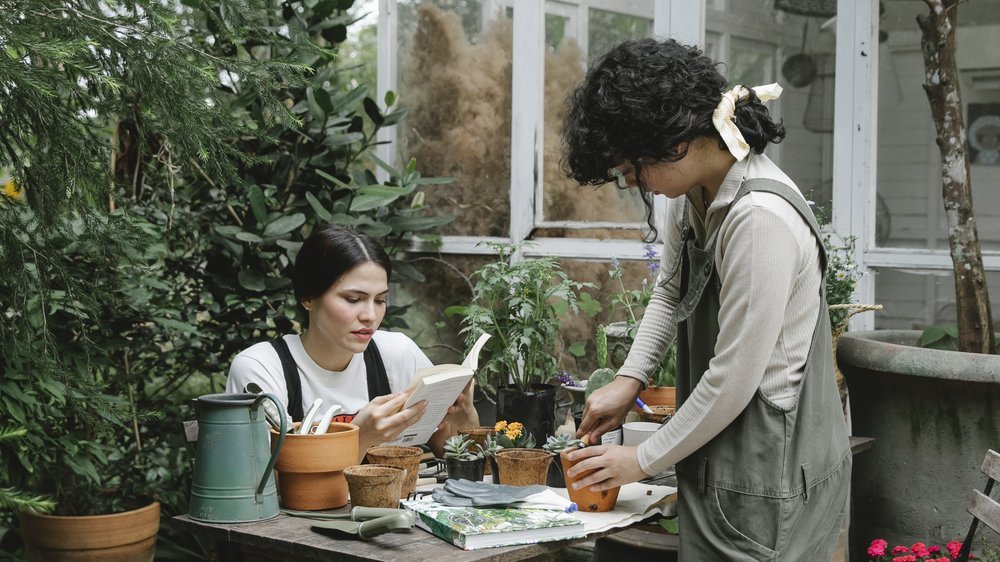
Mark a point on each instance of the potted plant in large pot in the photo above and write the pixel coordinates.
(520, 302)
(917, 402)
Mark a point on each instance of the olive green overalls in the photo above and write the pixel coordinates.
(773, 485)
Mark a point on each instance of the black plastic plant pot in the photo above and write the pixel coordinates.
(469, 470)
(554, 479)
(535, 409)
(495, 470)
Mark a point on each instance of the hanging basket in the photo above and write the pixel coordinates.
(813, 8)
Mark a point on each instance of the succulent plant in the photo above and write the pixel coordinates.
(561, 442)
(492, 446)
(602, 375)
(461, 447)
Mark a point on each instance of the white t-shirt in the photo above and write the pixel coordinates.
(349, 388)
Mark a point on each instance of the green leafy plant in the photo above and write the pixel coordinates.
(461, 447)
(519, 302)
(561, 442)
(491, 446)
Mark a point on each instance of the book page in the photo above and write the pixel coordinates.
(440, 385)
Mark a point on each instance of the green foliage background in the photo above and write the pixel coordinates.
(173, 155)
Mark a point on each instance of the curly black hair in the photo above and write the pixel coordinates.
(641, 100)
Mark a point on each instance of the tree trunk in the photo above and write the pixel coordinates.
(975, 320)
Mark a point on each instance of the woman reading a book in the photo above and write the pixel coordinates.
(341, 280)
(759, 439)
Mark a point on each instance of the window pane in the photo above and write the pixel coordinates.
(910, 212)
(759, 45)
(455, 80)
(915, 300)
(565, 64)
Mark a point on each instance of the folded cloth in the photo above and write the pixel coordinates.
(466, 493)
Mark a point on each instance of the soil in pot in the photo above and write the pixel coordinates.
(407, 458)
(468, 469)
(374, 485)
(585, 499)
(120, 537)
(523, 467)
(310, 467)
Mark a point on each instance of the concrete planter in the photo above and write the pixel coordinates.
(933, 415)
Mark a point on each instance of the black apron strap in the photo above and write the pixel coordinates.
(378, 380)
(292, 382)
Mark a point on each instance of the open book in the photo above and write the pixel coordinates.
(440, 385)
(471, 528)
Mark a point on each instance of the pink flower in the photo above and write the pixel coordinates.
(934, 549)
(953, 548)
(877, 548)
(942, 559)
(919, 549)
(907, 558)
(899, 550)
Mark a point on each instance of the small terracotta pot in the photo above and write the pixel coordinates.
(660, 414)
(659, 396)
(310, 467)
(374, 485)
(585, 499)
(129, 536)
(407, 458)
(523, 467)
(478, 436)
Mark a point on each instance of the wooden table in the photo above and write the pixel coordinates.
(290, 538)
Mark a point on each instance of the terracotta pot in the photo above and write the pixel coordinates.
(374, 485)
(659, 396)
(119, 537)
(523, 467)
(407, 458)
(478, 436)
(584, 498)
(311, 467)
(660, 414)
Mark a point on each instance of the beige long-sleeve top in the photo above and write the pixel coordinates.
(768, 263)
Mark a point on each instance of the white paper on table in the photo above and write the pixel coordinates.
(634, 505)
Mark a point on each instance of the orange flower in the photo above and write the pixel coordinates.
(500, 426)
(10, 190)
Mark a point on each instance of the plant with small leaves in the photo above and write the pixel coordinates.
(561, 442)
(462, 448)
(491, 446)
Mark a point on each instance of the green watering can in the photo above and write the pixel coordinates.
(234, 464)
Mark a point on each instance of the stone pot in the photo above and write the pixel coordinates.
(585, 499)
(374, 485)
(129, 536)
(400, 456)
(933, 415)
(311, 467)
(523, 467)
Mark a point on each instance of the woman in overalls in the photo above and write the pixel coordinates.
(341, 282)
(759, 439)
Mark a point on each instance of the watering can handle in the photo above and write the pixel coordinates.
(281, 436)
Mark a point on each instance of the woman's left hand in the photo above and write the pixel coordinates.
(613, 465)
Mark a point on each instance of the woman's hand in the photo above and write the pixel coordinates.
(382, 420)
(613, 465)
(606, 408)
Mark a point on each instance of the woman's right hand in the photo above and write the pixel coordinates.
(606, 408)
(382, 420)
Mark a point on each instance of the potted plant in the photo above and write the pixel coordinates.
(555, 445)
(463, 458)
(490, 449)
(506, 436)
(660, 390)
(520, 302)
(585, 499)
(889, 375)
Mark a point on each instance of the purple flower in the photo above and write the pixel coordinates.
(614, 263)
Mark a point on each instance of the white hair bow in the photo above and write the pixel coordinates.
(724, 116)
